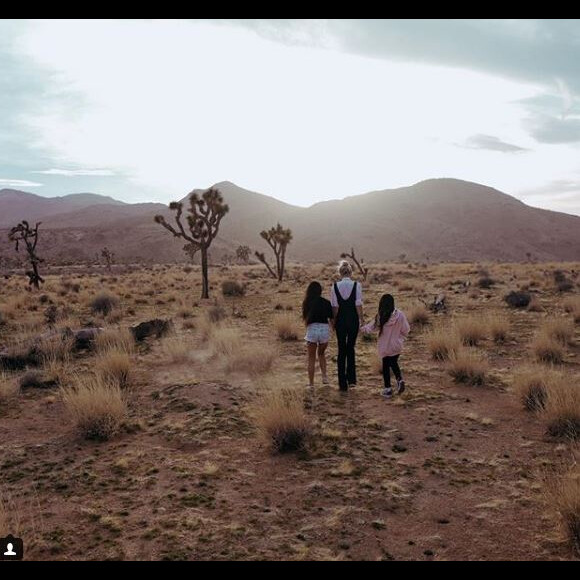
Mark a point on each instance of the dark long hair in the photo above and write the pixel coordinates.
(386, 309)
(313, 292)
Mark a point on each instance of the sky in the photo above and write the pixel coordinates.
(302, 110)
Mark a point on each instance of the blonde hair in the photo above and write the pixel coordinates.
(344, 268)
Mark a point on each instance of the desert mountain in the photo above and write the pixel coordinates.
(437, 219)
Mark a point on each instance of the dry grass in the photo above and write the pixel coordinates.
(418, 314)
(8, 388)
(547, 349)
(559, 329)
(563, 409)
(467, 367)
(225, 341)
(572, 306)
(119, 339)
(498, 328)
(96, 407)
(115, 367)
(176, 349)
(471, 331)
(281, 420)
(442, 344)
(287, 327)
(563, 494)
(254, 360)
(532, 384)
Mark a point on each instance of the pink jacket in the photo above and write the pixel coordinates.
(395, 331)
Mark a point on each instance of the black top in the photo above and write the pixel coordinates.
(320, 312)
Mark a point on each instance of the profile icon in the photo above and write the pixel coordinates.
(11, 548)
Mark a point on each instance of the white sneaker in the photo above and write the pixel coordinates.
(387, 393)
(325, 380)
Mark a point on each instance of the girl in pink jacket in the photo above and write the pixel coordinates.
(393, 329)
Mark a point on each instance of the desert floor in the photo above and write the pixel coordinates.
(445, 471)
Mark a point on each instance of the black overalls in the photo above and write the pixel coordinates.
(347, 325)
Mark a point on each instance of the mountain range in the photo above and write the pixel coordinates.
(436, 219)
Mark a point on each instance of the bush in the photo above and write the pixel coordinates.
(559, 329)
(467, 367)
(225, 340)
(498, 329)
(442, 344)
(485, 282)
(532, 384)
(281, 420)
(564, 495)
(96, 407)
(252, 360)
(563, 409)
(104, 304)
(418, 314)
(547, 349)
(114, 367)
(518, 299)
(233, 288)
(216, 313)
(471, 331)
(287, 327)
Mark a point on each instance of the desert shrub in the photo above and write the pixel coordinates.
(485, 282)
(176, 350)
(572, 306)
(97, 407)
(37, 380)
(563, 493)
(225, 340)
(252, 360)
(115, 339)
(467, 367)
(534, 305)
(442, 344)
(418, 314)
(565, 286)
(114, 367)
(282, 421)
(559, 329)
(498, 328)
(532, 384)
(518, 299)
(233, 288)
(471, 331)
(287, 327)
(563, 409)
(8, 388)
(547, 349)
(104, 303)
(216, 313)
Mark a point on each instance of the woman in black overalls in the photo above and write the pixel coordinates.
(347, 323)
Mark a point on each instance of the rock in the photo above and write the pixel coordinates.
(157, 328)
(398, 448)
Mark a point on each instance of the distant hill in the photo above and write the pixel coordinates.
(437, 219)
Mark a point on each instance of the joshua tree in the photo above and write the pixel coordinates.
(29, 236)
(243, 254)
(359, 264)
(278, 239)
(205, 214)
(191, 249)
(108, 256)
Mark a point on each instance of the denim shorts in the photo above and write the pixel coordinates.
(317, 333)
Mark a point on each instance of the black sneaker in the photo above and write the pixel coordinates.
(400, 387)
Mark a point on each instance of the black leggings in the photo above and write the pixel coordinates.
(391, 362)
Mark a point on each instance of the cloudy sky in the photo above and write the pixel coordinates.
(303, 110)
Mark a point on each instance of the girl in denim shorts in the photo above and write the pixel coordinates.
(317, 315)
